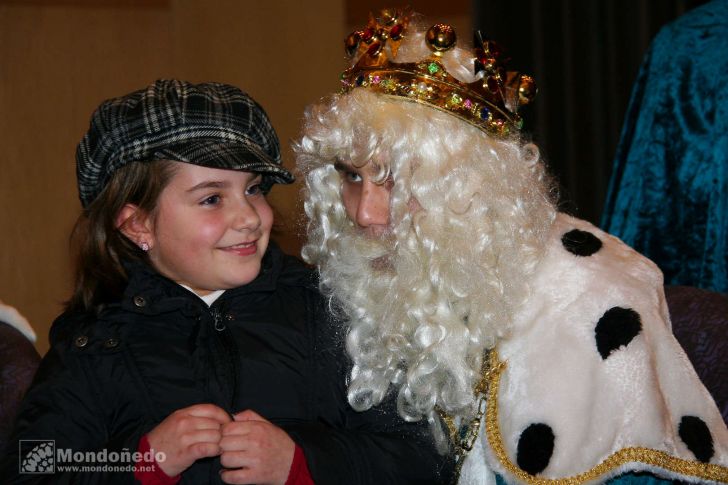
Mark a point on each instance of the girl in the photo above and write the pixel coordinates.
(192, 349)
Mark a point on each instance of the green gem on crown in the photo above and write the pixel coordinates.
(455, 99)
(433, 68)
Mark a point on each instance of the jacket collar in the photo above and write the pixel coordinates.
(149, 292)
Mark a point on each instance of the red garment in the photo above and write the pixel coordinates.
(299, 474)
(153, 474)
(149, 472)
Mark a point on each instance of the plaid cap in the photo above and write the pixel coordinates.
(210, 124)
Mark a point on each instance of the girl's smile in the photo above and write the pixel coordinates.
(243, 249)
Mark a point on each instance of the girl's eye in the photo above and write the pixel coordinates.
(212, 200)
(254, 189)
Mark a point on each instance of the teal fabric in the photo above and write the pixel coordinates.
(668, 196)
(638, 479)
(626, 479)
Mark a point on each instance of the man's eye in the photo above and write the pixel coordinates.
(352, 176)
(346, 172)
(212, 200)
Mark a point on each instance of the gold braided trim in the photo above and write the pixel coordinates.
(647, 456)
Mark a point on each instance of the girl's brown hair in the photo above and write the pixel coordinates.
(99, 247)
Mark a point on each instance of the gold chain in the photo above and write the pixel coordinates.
(463, 437)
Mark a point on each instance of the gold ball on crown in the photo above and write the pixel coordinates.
(388, 17)
(526, 89)
(441, 38)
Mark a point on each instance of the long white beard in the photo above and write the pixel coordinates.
(419, 314)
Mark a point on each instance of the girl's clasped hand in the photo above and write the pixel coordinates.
(252, 449)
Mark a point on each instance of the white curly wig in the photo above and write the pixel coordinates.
(457, 261)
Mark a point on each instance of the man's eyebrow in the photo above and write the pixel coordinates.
(210, 184)
(343, 166)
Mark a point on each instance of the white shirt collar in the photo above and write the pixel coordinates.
(209, 298)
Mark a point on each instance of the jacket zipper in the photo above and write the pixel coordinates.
(217, 318)
(231, 351)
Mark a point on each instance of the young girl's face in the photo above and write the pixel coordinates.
(210, 229)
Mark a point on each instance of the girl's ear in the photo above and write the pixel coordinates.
(136, 225)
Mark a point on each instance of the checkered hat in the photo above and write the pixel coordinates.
(212, 125)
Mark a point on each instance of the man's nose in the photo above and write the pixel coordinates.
(373, 207)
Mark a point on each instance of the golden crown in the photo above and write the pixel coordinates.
(491, 103)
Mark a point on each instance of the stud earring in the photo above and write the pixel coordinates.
(144, 246)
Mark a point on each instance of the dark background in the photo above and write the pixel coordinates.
(584, 56)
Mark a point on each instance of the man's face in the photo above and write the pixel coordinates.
(365, 198)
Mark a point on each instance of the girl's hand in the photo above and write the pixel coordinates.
(255, 451)
(188, 434)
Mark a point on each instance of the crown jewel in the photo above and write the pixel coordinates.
(490, 103)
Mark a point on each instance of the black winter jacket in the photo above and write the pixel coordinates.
(268, 346)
